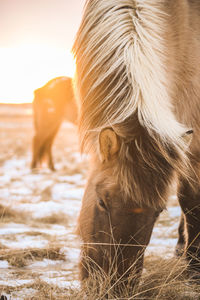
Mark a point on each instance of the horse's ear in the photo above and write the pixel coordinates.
(108, 143)
(188, 136)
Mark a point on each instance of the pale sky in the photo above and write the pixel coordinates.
(36, 37)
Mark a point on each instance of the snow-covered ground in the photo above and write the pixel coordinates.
(39, 211)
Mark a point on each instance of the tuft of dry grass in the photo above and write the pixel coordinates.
(40, 291)
(2, 247)
(166, 279)
(162, 279)
(21, 258)
(7, 215)
(55, 218)
(46, 194)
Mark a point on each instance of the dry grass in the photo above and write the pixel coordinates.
(161, 280)
(7, 215)
(44, 291)
(46, 194)
(166, 279)
(21, 258)
(2, 247)
(40, 291)
(56, 218)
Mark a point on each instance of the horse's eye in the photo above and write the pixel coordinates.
(102, 204)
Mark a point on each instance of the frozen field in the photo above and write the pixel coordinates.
(38, 213)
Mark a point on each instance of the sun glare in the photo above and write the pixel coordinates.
(27, 67)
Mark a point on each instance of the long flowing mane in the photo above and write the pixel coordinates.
(121, 55)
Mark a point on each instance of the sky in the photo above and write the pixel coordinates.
(36, 37)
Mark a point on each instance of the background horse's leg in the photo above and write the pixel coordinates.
(181, 237)
(38, 151)
(35, 152)
(49, 153)
(48, 147)
(189, 199)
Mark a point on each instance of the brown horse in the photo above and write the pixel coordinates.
(52, 103)
(138, 80)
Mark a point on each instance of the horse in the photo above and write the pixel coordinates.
(52, 103)
(138, 86)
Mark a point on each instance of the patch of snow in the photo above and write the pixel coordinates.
(173, 197)
(5, 193)
(73, 257)
(22, 240)
(26, 242)
(34, 178)
(14, 163)
(163, 242)
(166, 252)
(4, 264)
(77, 178)
(15, 283)
(5, 179)
(66, 191)
(174, 211)
(76, 193)
(59, 191)
(73, 254)
(22, 191)
(13, 228)
(24, 292)
(47, 208)
(55, 230)
(79, 157)
(61, 282)
(44, 263)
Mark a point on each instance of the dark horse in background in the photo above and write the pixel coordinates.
(52, 103)
(138, 81)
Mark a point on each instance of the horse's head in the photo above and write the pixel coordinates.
(125, 193)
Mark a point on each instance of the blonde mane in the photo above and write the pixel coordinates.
(120, 52)
(121, 55)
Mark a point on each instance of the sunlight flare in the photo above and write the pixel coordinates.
(28, 67)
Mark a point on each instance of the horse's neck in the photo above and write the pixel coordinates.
(183, 41)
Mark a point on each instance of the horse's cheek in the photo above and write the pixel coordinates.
(100, 226)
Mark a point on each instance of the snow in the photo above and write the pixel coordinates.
(61, 282)
(45, 263)
(74, 178)
(13, 228)
(24, 242)
(4, 264)
(15, 283)
(15, 163)
(45, 209)
(174, 211)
